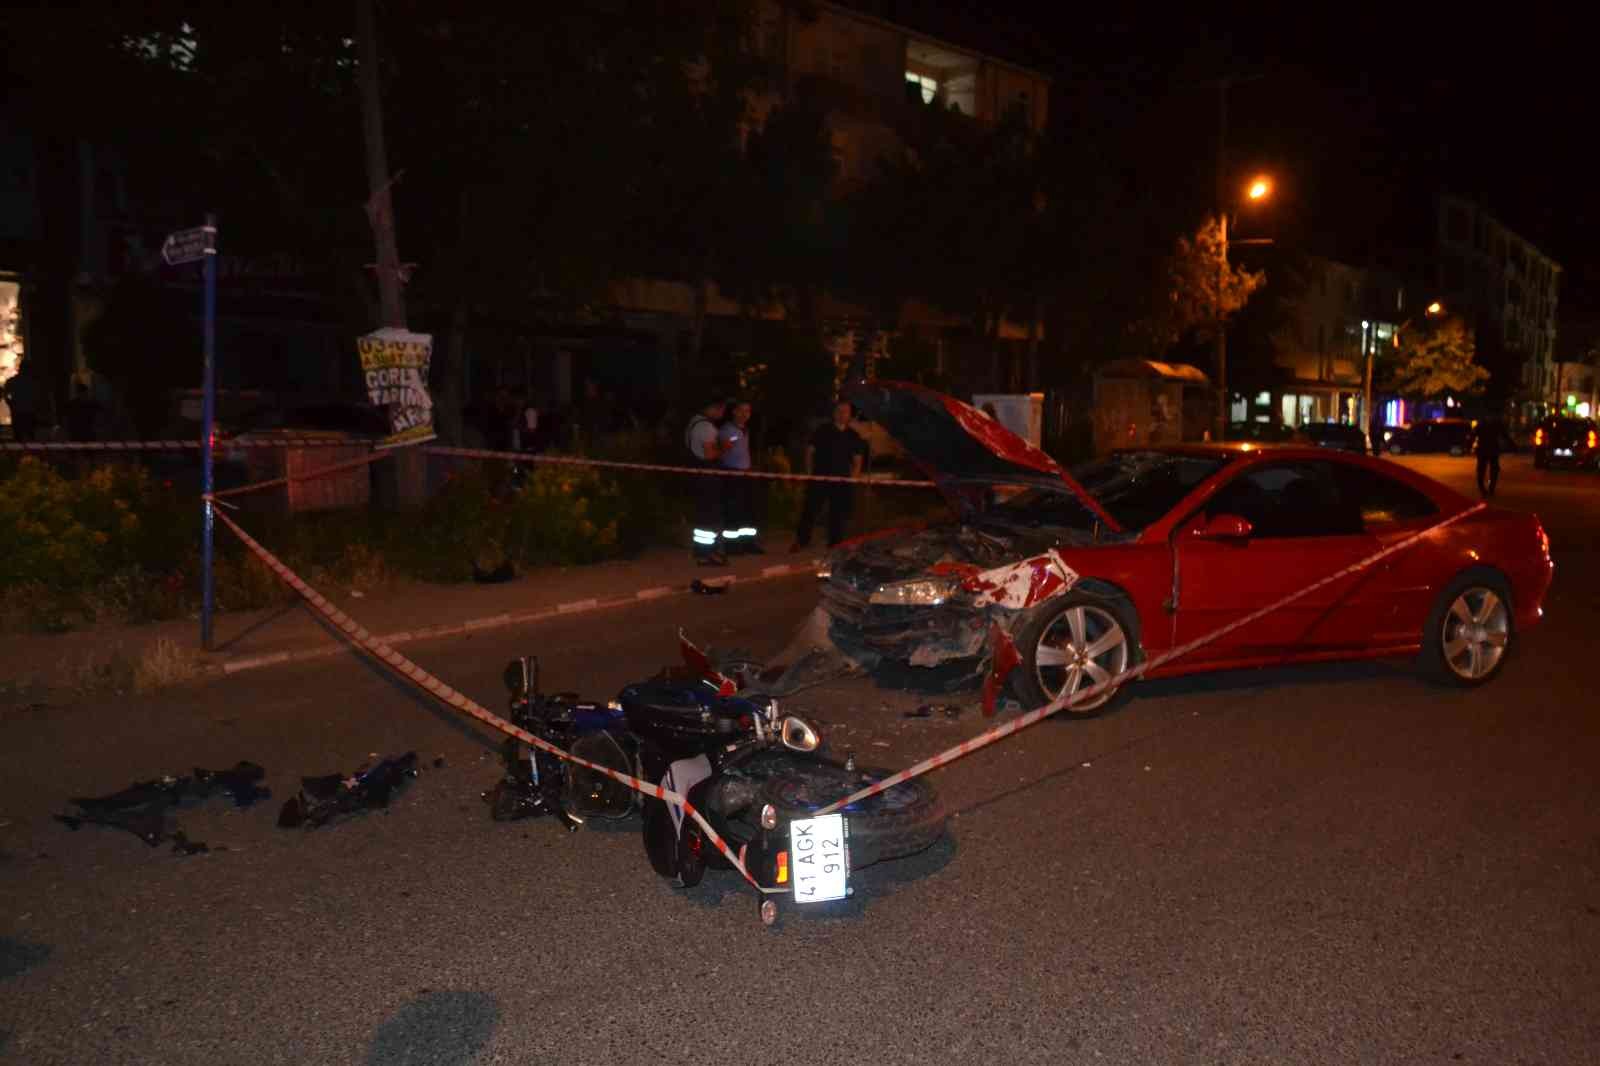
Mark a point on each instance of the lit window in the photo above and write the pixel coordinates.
(929, 87)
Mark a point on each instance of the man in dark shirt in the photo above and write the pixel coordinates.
(835, 450)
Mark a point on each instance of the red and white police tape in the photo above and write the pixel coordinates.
(305, 475)
(665, 468)
(170, 445)
(471, 453)
(465, 704)
(1065, 701)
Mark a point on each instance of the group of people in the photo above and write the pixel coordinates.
(725, 522)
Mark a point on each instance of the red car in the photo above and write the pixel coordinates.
(1088, 572)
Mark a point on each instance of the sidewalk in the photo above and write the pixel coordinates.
(39, 667)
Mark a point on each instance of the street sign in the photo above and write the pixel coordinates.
(189, 245)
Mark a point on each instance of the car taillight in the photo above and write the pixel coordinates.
(1538, 437)
(1591, 439)
(783, 867)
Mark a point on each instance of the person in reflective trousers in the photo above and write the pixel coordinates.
(700, 437)
(738, 493)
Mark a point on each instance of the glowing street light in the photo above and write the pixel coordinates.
(1257, 191)
(1435, 308)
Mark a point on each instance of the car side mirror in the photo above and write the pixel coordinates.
(1224, 527)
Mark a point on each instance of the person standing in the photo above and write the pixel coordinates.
(738, 493)
(1491, 435)
(22, 396)
(835, 450)
(83, 414)
(700, 438)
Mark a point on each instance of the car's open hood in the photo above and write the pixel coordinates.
(955, 441)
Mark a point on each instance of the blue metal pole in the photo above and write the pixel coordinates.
(208, 421)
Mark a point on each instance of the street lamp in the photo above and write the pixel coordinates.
(1257, 191)
(1435, 308)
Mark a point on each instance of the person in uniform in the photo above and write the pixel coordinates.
(738, 493)
(700, 438)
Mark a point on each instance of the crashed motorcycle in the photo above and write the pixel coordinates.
(754, 773)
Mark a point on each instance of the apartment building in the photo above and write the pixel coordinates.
(1508, 288)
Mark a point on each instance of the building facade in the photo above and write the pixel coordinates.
(1341, 317)
(1509, 289)
(871, 75)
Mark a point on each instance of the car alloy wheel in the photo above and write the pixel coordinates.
(1475, 633)
(1082, 646)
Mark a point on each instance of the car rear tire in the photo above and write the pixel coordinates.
(1470, 630)
(1078, 639)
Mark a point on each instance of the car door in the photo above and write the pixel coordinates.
(1301, 529)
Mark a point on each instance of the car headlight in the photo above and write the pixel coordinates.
(923, 592)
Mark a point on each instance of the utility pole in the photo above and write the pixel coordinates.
(403, 481)
(1220, 419)
(380, 208)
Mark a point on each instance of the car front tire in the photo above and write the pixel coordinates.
(1079, 639)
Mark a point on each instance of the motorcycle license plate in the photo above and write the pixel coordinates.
(819, 858)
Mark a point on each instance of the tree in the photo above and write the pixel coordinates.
(1199, 289)
(1434, 357)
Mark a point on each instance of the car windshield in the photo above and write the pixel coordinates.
(1135, 488)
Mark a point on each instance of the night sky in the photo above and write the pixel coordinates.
(1363, 114)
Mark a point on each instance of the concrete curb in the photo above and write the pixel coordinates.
(496, 621)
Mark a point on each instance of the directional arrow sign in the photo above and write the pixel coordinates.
(189, 245)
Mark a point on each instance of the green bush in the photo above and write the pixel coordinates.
(108, 544)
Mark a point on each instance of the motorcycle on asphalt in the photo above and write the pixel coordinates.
(757, 776)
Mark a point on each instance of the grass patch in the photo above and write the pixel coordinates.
(164, 664)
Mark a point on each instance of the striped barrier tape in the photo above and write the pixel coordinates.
(306, 475)
(666, 468)
(1065, 701)
(170, 445)
(459, 701)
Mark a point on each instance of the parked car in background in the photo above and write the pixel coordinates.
(1452, 435)
(1266, 433)
(1336, 435)
(1571, 442)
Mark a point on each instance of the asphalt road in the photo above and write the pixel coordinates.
(1331, 865)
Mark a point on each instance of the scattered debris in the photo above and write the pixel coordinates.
(950, 710)
(707, 588)
(144, 806)
(498, 576)
(323, 799)
(438, 762)
(182, 845)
